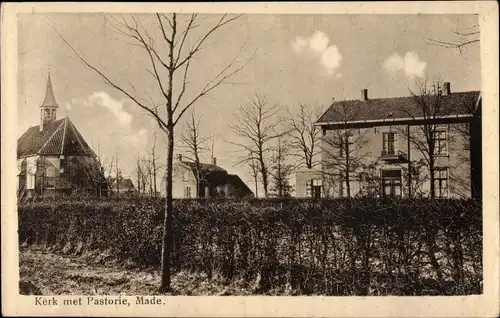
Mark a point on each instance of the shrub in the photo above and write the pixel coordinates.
(328, 247)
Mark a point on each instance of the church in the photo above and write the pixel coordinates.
(53, 157)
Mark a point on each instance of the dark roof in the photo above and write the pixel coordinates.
(49, 100)
(396, 107)
(242, 189)
(125, 184)
(217, 176)
(205, 167)
(59, 137)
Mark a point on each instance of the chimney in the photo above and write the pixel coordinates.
(179, 157)
(446, 89)
(364, 94)
(214, 161)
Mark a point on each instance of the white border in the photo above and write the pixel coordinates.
(467, 306)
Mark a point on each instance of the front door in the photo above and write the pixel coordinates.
(391, 183)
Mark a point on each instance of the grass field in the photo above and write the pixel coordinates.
(54, 274)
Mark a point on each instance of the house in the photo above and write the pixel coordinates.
(54, 157)
(214, 181)
(386, 146)
(123, 187)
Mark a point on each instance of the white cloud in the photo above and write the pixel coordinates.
(113, 105)
(318, 42)
(104, 100)
(331, 59)
(318, 45)
(411, 64)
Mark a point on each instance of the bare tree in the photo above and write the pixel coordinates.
(341, 147)
(152, 167)
(142, 170)
(425, 136)
(254, 166)
(93, 172)
(170, 54)
(460, 37)
(195, 144)
(256, 126)
(304, 134)
(139, 172)
(281, 170)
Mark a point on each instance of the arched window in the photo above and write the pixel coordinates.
(46, 114)
(50, 172)
(50, 177)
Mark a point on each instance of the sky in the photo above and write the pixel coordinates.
(292, 59)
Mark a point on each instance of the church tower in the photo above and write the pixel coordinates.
(48, 109)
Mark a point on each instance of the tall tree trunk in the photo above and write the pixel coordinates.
(167, 223)
(263, 172)
(348, 167)
(166, 281)
(431, 172)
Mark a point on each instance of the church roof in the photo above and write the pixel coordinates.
(49, 100)
(59, 137)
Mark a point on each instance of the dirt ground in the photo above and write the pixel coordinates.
(54, 274)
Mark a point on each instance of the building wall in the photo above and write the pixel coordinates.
(182, 178)
(368, 146)
(66, 173)
(303, 180)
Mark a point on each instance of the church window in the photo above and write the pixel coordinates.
(50, 177)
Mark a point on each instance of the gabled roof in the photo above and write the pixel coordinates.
(49, 100)
(205, 167)
(125, 184)
(454, 104)
(236, 182)
(210, 173)
(217, 176)
(59, 137)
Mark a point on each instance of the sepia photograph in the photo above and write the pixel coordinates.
(174, 153)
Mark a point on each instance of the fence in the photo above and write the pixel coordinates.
(327, 247)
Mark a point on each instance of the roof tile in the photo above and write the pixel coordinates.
(50, 140)
(396, 107)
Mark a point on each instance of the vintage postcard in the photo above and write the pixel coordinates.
(250, 159)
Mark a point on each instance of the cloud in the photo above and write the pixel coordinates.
(411, 64)
(318, 46)
(104, 100)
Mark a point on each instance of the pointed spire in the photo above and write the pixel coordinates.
(49, 100)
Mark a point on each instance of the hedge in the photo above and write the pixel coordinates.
(326, 247)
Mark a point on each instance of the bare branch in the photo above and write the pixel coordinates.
(161, 123)
(198, 45)
(215, 82)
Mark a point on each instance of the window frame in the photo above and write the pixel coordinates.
(392, 182)
(385, 142)
(316, 188)
(440, 142)
(346, 138)
(439, 179)
(187, 192)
